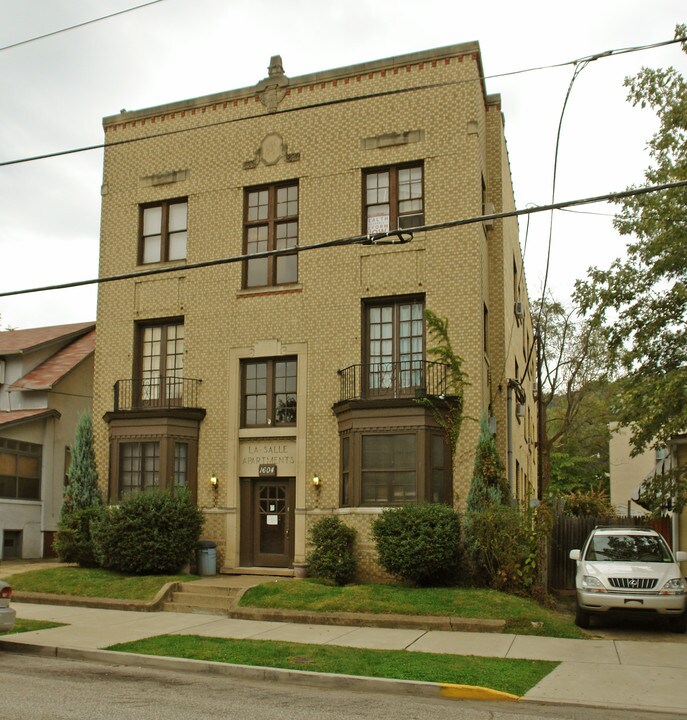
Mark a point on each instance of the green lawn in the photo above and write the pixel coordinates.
(522, 616)
(21, 626)
(512, 676)
(92, 582)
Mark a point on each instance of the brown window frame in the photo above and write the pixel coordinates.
(394, 200)
(165, 233)
(389, 381)
(432, 477)
(272, 392)
(32, 454)
(272, 222)
(170, 387)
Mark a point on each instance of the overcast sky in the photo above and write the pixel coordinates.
(54, 93)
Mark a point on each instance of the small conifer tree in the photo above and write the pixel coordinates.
(489, 485)
(82, 490)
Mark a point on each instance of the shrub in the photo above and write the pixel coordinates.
(419, 544)
(148, 533)
(74, 543)
(497, 540)
(589, 503)
(332, 559)
(82, 489)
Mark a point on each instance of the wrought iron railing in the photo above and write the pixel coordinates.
(160, 393)
(407, 378)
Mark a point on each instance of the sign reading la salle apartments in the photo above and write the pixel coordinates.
(267, 458)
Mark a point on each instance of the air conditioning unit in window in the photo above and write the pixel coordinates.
(520, 409)
(488, 210)
(535, 388)
(519, 309)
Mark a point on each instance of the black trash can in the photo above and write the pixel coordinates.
(207, 557)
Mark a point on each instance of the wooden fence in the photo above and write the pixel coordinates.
(569, 533)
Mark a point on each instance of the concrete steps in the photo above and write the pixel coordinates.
(203, 598)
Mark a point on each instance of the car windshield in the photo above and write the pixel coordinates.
(628, 548)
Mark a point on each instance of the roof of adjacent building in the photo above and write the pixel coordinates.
(58, 365)
(19, 417)
(17, 342)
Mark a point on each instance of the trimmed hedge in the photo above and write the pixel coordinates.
(419, 544)
(74, 543)
(148, 533)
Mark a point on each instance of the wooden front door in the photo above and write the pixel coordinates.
(272, 523)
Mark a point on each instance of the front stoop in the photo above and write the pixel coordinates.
(194, 597)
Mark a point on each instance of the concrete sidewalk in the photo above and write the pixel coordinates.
(602, 673)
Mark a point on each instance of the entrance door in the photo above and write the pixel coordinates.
(273, 523)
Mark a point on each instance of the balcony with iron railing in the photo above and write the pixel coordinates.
(393, 380)
(160, 393)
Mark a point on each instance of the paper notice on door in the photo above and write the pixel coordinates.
(272, 519)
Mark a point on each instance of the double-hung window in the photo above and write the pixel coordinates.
(20, 470)
(271, 223)
(139, 467)
(164, 231)
(393, 198)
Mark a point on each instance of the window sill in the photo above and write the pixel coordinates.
(269, 290)
(162, 263)
(21, 501)
(270, 432)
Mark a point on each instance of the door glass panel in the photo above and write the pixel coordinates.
(272, 510)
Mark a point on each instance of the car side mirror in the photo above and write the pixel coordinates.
(574, 554)
(681, 556)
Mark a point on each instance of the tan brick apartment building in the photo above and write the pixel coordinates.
(249, 380)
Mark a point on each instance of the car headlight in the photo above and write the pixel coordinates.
(675, 586)
(589, 582)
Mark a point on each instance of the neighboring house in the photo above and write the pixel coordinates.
(46, 382)
(281, 389)
(629, 473)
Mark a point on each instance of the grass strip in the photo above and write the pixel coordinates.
(21, 626)
(93, 582)
(506, 675)
(522, 615)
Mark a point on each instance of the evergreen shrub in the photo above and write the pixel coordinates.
(333, 558)
(148, 533)
(419, 544)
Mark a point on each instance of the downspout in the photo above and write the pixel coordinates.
(509, 434)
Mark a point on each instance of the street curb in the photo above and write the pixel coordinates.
(257, 673)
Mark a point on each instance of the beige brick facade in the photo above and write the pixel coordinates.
(321, 131)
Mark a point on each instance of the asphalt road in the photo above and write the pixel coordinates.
(41, 688)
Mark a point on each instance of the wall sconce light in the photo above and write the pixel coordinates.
(213, 481)
(316, 480)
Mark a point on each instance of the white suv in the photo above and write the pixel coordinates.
(629, 569)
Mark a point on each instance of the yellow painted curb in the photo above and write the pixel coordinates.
(474, 692)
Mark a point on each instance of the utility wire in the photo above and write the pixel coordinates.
(389, 238)
(73, 27)
(101, 146)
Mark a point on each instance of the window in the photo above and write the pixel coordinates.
(164, 231)
(20, 470)
(395, 346)
(384, 468)
(271, 223)
(180, 464)
(269, 392)
(388, 469)
(393, 199)
(161, 363)
(139, 467)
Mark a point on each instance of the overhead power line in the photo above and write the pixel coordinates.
(340, 101)
(389, 238)
(78, 25)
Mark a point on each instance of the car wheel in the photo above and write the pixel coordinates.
(581, 618)
(678, 624)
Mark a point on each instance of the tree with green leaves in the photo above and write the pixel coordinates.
(82, 489)
(640, 302)
(574, 387)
